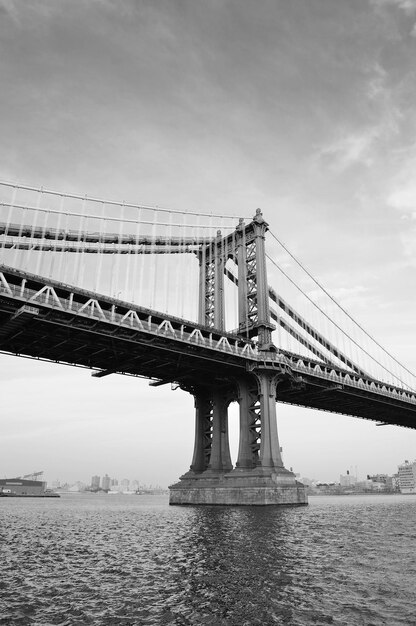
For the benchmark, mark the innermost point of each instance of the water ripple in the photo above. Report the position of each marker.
(134, 561)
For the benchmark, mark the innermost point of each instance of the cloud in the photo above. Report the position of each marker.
(26, 14)
(351, 149)
(360, 145)
(408, 240)
(402, 195)
(408, 6)
(376, 87)
(9, 9)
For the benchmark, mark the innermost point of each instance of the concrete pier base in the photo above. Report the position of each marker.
(239, 488)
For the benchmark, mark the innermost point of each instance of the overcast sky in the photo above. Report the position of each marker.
(305, 108)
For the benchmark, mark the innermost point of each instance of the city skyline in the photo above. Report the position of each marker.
(96, 480)
(218, 108)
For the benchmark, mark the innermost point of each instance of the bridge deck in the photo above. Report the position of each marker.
(47, 320)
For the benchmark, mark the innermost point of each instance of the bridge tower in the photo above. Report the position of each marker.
(259, 477)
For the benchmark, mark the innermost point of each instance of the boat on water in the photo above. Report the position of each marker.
(23, 488)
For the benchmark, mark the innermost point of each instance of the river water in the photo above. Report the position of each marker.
(133, 560)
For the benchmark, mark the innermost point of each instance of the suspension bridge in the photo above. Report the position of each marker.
(215, 305)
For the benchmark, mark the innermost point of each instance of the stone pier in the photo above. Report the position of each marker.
(259, 477)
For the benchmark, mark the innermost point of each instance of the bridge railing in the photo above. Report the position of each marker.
(344, 378)
(135, 318)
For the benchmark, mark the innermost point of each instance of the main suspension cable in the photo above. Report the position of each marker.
(342, 330)
(115, 202)
(292, 256)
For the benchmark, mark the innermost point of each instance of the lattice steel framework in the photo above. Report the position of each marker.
(254, 421)
(207, 426)
(246, 248)
(252, 315)
(212, 259)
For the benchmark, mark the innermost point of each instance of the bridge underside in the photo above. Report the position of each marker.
(90, 349)
(86, 343)
(62, 338)
(45, 332)
(348, 401)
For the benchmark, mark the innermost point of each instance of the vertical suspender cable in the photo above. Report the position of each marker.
(140, 298)
(54, 252)
(153, 272)
(77, 245)
(356, 356)
(128, 257)
(194, 264)
(42, 254)
(29, 267)
(181, 285)
(279, 317)
(82, 236)
(135, 256)
(181, 266)
(118, 260)
(228, 293)
(178, 238)
(113, 253)
(38, 247)
(62, 272)
(9, 216)
(320, 324)
(100, 249)
(166, 262)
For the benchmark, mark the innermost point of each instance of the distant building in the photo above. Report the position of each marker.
(323, 488)
(307, 481)
(378, 478)
(95, 483)
(125, 484)
(22, 487)
(348, 480)
(105, 483)
(407, 477)
(78, 486)
(374, 485)
(395, 482)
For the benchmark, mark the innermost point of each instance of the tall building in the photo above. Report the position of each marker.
(95, 483)
(347, 481)
(125, 484)
(105, 483)
(407, 477)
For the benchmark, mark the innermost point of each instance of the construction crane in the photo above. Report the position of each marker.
(32, 476)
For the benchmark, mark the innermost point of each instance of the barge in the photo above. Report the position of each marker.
(22, 488)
